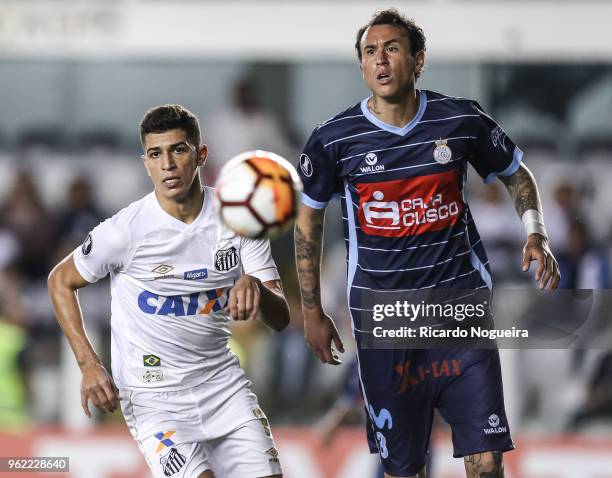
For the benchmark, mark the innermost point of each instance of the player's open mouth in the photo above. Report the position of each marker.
(172, 182)
(383, 78)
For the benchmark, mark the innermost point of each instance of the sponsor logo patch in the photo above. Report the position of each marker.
(306, 165)
(197, 274)
(273, 452)
(371, 159)
(164, 440)
(87, 245)
(261, 416)
(172, 462)
(151, 361)
(152, 376)
(226, 259)
(162, 269)
(413, 376)
(495, 426)
(411, 206)
(196, 303)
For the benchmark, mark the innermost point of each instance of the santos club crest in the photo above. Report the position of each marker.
(226, 259)
(442, 153)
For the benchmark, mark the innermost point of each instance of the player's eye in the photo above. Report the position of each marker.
(369, 51)
(392, 49)
(154, 155)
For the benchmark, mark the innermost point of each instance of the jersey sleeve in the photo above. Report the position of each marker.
(106, 248)
(257, 261)
(495, 154)
(318, 174)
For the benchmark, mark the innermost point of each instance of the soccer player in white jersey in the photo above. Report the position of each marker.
(178, 277)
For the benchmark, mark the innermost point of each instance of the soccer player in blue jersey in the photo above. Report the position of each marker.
(398, 161)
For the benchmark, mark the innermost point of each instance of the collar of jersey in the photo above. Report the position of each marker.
(178, 222)
(396, 129)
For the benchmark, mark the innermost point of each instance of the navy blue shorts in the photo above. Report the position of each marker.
(403, 387)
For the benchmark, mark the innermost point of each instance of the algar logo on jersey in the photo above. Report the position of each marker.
(411, 206)
(197, 303)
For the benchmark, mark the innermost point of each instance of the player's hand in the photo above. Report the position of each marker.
(547, 271)
(243, 302)
(98, 386)
(319, 332)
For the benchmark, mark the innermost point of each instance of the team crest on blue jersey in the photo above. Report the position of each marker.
(306, 165)
(442, 153)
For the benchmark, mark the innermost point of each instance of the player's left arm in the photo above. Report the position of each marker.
(524, 193)
(250, 296)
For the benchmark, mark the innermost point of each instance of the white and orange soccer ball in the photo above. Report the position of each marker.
(258, 194)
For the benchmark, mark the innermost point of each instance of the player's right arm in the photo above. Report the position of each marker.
(319, 328)
(318, 173)
(96, 385)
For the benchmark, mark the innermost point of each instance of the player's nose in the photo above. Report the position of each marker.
(167, 161)
(381, 57)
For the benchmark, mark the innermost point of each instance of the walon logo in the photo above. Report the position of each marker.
(494, 422)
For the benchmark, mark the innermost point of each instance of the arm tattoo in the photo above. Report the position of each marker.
(477, 467)
(523, 190)
(307, 259)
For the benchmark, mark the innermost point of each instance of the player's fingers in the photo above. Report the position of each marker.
(111, 396)
(526, 259)
(85, 403)
(103, 403)
(249, 297)
(556, 276)
(541, 265)
(548, 272)
(231, 303)
(256, 300)
(337, 341)
(241, 304)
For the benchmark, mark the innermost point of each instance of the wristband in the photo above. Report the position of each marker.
(534, 222)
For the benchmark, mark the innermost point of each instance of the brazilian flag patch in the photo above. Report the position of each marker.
(151, 360)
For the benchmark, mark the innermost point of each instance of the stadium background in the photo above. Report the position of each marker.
(75, 79)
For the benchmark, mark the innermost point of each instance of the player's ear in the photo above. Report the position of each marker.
(202, 155)
(419, 62)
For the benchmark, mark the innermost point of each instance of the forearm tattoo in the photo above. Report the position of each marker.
(307, 260)
(476, 466)
(523, 190)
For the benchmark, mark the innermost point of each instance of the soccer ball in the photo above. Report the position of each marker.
(258, 194)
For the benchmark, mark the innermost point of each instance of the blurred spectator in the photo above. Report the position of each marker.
(24, 214)
(12, 387)
(242, 126)
(563, 211)
(583, 264)
(500, 230)
(80, 214)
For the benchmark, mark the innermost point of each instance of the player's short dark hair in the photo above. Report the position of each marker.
(391, 16)
(165, 117)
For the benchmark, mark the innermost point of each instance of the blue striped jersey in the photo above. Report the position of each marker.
(406, 221)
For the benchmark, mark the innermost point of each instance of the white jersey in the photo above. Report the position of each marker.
(169, 286)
